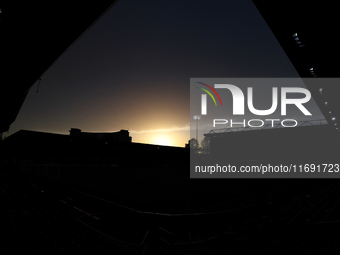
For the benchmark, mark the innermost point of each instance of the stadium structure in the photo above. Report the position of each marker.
(65, 194)
(306, 33)
(309, 141)
(34, 36)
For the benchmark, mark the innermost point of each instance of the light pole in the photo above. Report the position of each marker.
(197, 117)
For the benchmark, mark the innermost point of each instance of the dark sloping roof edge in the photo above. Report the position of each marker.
(35, 35)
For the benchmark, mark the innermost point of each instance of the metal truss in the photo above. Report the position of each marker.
(269, 126)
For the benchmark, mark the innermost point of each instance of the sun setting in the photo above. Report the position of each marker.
(162, 139)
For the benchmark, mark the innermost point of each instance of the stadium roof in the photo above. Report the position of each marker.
(308, 33)
(34, 34)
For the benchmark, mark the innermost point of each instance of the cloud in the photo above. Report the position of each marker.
(173, 129)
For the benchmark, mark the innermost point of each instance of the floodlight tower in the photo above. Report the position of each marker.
(197, 117)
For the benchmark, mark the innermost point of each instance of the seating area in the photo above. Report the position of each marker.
(55, 216)
(41, 224)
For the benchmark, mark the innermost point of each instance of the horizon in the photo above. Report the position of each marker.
(92, 132)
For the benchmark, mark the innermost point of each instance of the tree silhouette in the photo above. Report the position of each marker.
(193, 144)
(205, 145)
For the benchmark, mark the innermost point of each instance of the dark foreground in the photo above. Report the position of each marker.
(122, 210)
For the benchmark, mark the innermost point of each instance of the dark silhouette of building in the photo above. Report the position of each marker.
(84, 148)
(122, 135)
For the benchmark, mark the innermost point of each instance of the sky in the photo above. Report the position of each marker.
(132, 69)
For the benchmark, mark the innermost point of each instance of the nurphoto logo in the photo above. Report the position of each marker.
(238, 103)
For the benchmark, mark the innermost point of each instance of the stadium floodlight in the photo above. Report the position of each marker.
(197, 117)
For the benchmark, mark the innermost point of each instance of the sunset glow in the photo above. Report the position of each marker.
(162, 140)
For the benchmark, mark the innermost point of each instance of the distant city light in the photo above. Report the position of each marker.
(333, 118)
(197, 117)
(295, 35)
(326, 103)
(329, 112)
(311, 69)
(320, 90)
(296, 38)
